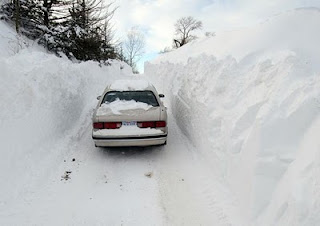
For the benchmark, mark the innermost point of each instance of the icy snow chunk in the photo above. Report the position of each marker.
(121, 105)
(123, 85)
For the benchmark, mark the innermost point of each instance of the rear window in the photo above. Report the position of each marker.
(138, 96)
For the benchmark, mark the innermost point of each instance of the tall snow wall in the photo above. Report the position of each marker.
(249, 100)
(44, 100)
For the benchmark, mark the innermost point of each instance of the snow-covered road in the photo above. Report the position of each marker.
(164, 185)
(51, 173)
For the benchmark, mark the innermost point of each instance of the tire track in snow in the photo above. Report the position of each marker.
(190, 193)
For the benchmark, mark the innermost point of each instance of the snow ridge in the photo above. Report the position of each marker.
(249, 101)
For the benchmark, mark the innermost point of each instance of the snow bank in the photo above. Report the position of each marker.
(43, 98)
(250, 101)
(10, 43)
(294, 30)
(117, 106)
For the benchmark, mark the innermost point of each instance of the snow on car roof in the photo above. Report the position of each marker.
(123, 85)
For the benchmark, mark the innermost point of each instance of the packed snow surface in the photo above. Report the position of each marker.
(243, 142)
(132, 84)
(118, 106)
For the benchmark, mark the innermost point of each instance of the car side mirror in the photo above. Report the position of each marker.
(161, 95)
(98, 97)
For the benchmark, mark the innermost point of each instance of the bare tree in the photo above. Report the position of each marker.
(183, 29)
(134, 47)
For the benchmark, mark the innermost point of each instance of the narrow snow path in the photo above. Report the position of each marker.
(167, 185)
(189, 193)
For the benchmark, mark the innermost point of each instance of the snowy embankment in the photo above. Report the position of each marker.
(249, 100)
(44, 101)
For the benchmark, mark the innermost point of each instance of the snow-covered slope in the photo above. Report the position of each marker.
(249, 100)
(44, 100)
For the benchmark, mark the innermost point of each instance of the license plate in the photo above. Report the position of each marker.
(129, 123)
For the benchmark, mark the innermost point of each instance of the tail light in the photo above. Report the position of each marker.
(107, 125)
(151, 124)
(161, 124)
(112, 125)
(146, 124)
(98, 125)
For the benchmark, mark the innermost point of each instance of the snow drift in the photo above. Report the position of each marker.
(43, 98)
(249, 100)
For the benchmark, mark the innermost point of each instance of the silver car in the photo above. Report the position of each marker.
(130, 113)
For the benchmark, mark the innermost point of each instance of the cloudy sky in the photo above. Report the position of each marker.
(156, 18)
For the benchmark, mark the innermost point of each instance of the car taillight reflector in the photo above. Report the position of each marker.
(98, 125)
(151, 124)
(146, 124)
(107, 125)
(161, 124)
(112, 125)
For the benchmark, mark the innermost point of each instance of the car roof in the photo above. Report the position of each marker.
(130, 85)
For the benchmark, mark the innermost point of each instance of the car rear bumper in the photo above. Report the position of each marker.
(129, 141)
